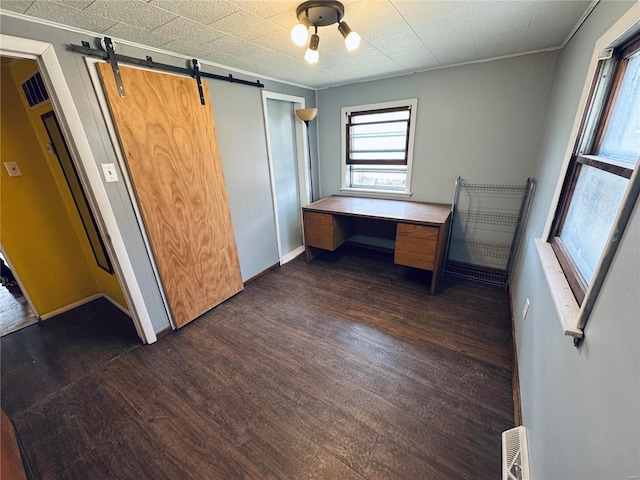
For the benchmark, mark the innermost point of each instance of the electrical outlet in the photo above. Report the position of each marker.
(109, 171)
(13, 169)
(525, 310)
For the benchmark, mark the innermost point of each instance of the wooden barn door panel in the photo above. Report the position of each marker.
(169, 143)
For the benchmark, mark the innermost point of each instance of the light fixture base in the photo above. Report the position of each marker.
(320, 13)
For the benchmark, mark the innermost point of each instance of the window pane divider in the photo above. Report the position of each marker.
(610, 165)
(388, 150)
(364, 161)
(380, 110)
(381, 122)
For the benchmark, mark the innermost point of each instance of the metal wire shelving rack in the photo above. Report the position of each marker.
(486, 230)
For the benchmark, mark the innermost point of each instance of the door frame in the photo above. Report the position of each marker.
(302, 155)
(91, 180)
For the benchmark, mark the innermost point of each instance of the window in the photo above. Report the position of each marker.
(604, 158)
(377, 147)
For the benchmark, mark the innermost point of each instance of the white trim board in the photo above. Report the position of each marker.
(117, 305)
(292, 255)
(304, 161)
(84, 301)
(71, 306)
(90, 177)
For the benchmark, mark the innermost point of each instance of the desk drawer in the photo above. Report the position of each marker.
(319, 218)
(416, 246)
(326, 231)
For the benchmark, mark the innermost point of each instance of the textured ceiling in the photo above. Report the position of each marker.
(398, 36)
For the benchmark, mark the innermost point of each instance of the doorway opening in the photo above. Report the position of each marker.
(83, 157)
(15, 311)
(54, 256)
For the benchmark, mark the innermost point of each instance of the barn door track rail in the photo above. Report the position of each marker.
(115, 58)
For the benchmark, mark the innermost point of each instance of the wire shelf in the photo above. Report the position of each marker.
(492, 276)
(495, 250)
(487, 226)
(488, 218)
(494, 188)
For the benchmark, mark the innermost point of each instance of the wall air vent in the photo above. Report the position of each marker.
(35, 90)
(515, 454)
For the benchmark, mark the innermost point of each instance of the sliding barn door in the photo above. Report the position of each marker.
(170, 147)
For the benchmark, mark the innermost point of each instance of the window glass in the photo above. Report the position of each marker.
(379, 177)
(379, 141)
(594, 206)
(622, 136)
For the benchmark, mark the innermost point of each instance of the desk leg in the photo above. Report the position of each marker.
(441, 252)
(311, 252)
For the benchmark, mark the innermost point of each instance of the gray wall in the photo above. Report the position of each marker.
(481, 121)
(580, 405)
(241, 134)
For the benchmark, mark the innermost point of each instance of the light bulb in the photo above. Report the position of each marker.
(352, 41)
(299, 34)
(311, 56)
(351, 38)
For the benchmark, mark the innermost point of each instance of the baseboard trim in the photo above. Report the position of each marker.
(164, 332)
(117, 305)
(515, 379)
(79, 303)
(71, 306)
(264, 272)
(293, 254)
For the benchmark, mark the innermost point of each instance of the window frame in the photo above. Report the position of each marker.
(346, 112)
(571, 316)
(602, 97)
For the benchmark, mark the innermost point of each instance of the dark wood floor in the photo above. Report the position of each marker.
(345, 368)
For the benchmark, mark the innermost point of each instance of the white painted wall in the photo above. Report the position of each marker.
(481, 121)
(580, 405)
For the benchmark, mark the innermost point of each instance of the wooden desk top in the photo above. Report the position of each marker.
(396, 210)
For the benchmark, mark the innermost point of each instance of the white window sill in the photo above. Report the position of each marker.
(566, 305)
(375, 193)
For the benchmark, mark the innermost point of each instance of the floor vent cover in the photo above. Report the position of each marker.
(515, 456)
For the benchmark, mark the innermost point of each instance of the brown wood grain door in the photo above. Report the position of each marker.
(170, 146)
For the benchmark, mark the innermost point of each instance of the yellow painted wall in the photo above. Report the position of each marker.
(35, 227)
(107, 283)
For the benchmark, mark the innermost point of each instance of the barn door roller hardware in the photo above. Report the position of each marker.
(85, 49)
(196, 71)
(109, 47)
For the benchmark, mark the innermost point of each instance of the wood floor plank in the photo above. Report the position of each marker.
(344, 368)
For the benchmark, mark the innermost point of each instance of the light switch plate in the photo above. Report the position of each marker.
(13, 169)
(109, 171)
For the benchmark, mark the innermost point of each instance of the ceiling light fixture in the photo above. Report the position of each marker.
(320, 14)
